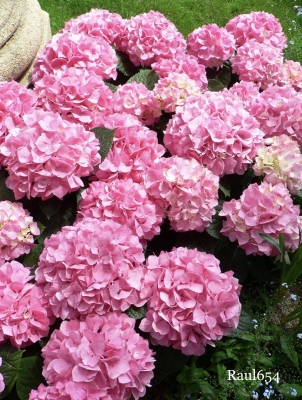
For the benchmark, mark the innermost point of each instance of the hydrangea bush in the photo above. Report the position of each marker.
(145, 178)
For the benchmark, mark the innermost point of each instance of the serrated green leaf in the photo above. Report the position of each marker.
(245, 325)
(265, 361)
(105, 137)
(289, 350)
(10, 367)
(112, 87)
(136, 312)
(221, 80)
(191, 375)
(146, 76)
(207, 390)
(32, 258)
(50, 207)
(5, 192)
(125, 65)
(215, 227)
(222, 375)
(30, 376)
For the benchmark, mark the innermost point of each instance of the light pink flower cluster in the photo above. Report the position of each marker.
(148, 37)
(93, 266)
(174, 90)
(23, 310)
(100, 357)
(186, 190)
(134, 149)
(216, 130)
(2, 384)
(259, 63)
(182, 63)
(291, 75)
(259, 26)
(211, 45)
(264, 208)
(243, 91)
(134, 98)
(191, 302)
(280, 161)
(278, 110)
(58, 391)
(124, 202)
(46, 156)
(16, 231)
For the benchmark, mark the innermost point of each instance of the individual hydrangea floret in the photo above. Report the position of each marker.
(2, 384)
(258, 26)
(259, 63)
(211, 45)
(134, 149)
(291, 75)
(216, 130)
(191, 303)
(148, 37)
(99, 357)
(135, 99)
(17, 230)
(186, 190)
(280, 160)
(24, 312)
(264, 208)
(93, 266)
(174, 90)
(182, 63)
(46, 156)
(124, 202)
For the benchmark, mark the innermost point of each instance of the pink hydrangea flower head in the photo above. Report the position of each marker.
(100, 356)
(258, 26)
(259, 63)
(125, 202)
(174, 90)
(291, 75)
(186, 190)
(211, 45)
(148, 37)
(264, 208)
(243, 91)
(182, 63)
(17, 230)
(53, 392)
(135, 99)
(93, 266)
(24, 315)
(134, 149)
(216, 130)
(278, 110)
(47, 156)
(2, 384)
(191, 302)
(280, 160)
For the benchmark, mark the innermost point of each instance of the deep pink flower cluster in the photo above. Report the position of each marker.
(291, 75)
(2, 384)
(258, 26)
(211, 45)
(99, 357)
(186, 190)
(280, 160)
(23, 309)
(264, 208)
(93, 266)
(17, 230)
(215, 129)
(134, 149)
(134, 98)
(124, 202)
(46, 156)
(191, 302)
(182, 63)
(148, 37)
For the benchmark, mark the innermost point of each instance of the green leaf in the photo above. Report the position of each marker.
(192, 374)
(112, 87)
(31, 259)
(294, 270)
(222, 375)
(246, 323)
(208, 391)
(11, 359)
(288, 388)
(221, 80)
(105, 137)
(215, 227)
(289, 350)
(265, 361)
(125, 65)
(136, 312)
(30, 376)
(146, 76)
(225, 191)
(5, 192)
(50, 207)
(271, 240)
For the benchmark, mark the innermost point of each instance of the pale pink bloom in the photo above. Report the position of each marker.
(280, 160)
(17, 230)
(258, 26)
(217, 131)
(190, 302)
(135, 99)
(148, 37)
(182, 63)
(134, 149)
(243, 91)
(2, 384)
(46, 156)
(98, 357)
(174, 90)
(93, 266)
(54, 392)
(186, 190)
(211, 45)
(291, 75)
(264, 208)
(258, 62)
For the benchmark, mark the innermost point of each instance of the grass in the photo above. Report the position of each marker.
(188, 14)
